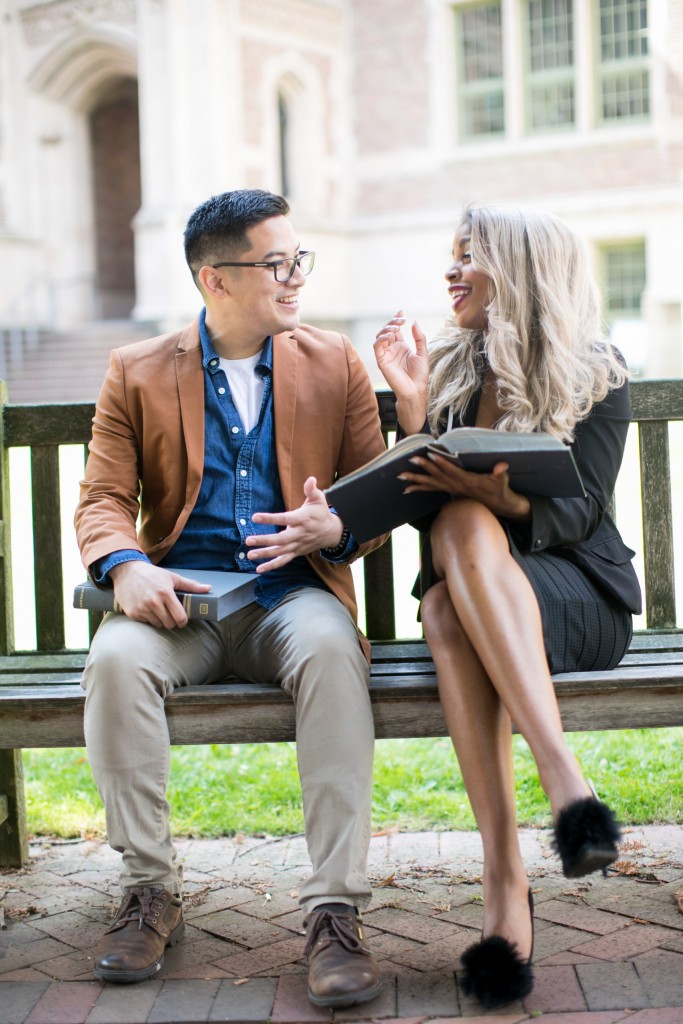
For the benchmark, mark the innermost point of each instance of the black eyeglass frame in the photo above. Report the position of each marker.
(294, 261)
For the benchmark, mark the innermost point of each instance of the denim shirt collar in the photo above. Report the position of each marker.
(211, 359)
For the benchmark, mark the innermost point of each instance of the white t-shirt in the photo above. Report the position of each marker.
(246, 388)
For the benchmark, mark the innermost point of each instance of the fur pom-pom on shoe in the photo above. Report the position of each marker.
(586, 837)
(495, 973)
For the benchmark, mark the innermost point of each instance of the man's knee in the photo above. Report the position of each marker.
(331, 666)
(119, 658)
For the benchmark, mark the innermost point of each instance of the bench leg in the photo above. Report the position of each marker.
(13, 837)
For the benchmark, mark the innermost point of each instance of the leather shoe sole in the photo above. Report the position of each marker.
(348, 998)
(130, 977)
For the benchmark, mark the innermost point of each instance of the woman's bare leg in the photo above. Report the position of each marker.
(498, 612)
(481, 732)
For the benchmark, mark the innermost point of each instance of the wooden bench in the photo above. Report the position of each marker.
(41, 703)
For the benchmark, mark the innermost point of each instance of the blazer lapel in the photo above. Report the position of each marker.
(191, 399)
(285, 371)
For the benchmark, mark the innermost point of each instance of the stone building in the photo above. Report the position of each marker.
(379, 119)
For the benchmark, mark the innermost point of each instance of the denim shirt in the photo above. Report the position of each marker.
(240, 477)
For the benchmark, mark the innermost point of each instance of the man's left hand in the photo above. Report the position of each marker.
(305, 529)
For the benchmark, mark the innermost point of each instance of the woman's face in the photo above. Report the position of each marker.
(470, 290)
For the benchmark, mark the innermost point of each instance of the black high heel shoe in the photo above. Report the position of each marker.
(586, 837)
(494, 972)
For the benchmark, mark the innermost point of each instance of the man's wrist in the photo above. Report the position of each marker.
(99, 570)
(339, 548)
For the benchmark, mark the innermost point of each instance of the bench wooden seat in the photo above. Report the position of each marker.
(646, 690)
(41, 702)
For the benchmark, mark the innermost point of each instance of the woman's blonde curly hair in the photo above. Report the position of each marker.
(544, 341)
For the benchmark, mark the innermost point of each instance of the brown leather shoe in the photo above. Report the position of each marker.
(132, 948)
(341, 969)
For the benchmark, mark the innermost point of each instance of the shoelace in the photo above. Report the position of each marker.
(141, 903)
(339, 927)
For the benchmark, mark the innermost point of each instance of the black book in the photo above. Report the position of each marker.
(229, 592)
(370, 501)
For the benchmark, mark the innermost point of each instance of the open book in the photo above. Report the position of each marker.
(229, 592)
(370, 501)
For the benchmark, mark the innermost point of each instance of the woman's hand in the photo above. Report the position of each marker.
(406, 371)
(437, 473)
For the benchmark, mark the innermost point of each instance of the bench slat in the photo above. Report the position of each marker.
(631, 696)
(378, 574)
(660, 399)
(47, 547)
(655, 483)
(56, 423)
(387, 671)
(71, 423)
(29, 661)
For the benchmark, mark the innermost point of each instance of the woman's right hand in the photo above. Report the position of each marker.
(405, 370)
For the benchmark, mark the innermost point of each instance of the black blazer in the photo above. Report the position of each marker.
(581, 529)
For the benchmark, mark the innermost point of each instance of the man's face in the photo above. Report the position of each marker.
(268, 306)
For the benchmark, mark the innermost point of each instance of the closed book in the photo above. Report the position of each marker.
(370, 501)
(229, 592)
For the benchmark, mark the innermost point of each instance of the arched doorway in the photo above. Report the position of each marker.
(115, 154)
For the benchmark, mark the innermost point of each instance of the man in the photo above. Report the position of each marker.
(222, 436)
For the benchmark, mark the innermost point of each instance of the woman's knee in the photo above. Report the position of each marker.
(463, 520)
(439, 617)
(466, 532)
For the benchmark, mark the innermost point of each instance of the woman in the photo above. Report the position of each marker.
(514, 587)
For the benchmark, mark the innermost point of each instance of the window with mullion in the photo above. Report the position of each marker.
(624, 270)
(623, 60)
(480, 49)
(550, 74)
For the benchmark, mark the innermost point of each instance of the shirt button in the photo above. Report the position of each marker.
(539, 542)
(221, 391)
(235, 430)
(243, 472)
(242, 555)
(243, 522)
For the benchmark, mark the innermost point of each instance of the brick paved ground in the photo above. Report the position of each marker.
(607, 951)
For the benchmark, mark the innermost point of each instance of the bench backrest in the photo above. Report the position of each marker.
(43, 428)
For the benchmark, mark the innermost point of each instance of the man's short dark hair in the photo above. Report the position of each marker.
(217, 230)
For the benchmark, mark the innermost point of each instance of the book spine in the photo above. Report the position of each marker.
(198, 606)
(95, 599)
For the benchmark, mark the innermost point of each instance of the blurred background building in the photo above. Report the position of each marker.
(378, 119)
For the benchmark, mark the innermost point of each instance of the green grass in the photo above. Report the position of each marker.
(223, 790)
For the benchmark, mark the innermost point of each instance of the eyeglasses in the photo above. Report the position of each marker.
(283, 270)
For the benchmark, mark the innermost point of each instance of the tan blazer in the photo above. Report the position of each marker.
(147, 448)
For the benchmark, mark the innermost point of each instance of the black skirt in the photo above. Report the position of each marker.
(584, 628)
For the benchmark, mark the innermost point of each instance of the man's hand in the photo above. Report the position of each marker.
(308, 528)
(147, 593)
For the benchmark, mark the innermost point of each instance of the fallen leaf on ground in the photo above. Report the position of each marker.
(632, 844)
(630, 869)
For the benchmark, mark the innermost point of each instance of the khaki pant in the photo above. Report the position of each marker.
(308, 644)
